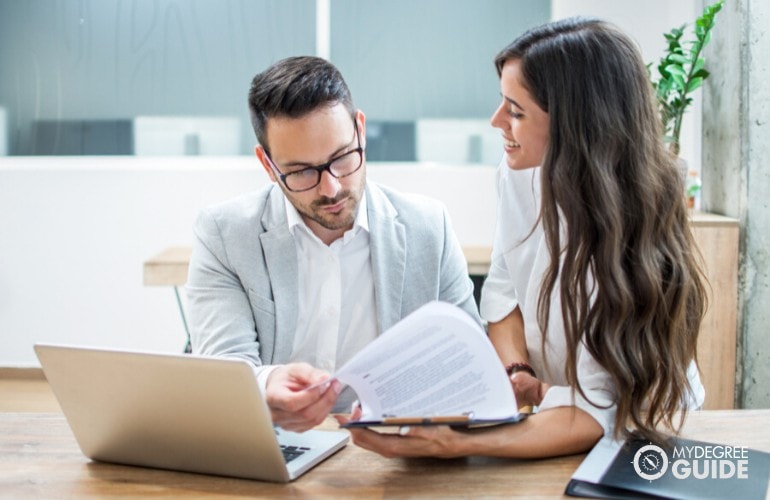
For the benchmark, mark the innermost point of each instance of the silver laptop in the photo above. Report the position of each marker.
(179, 412)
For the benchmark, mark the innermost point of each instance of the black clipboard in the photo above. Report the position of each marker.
(454, 421)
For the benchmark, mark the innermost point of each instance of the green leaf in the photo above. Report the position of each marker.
(681, 69)
(678, 81)
(678, 58)
(701, 73)
(676, 70)
(698, 65)
(694, 84)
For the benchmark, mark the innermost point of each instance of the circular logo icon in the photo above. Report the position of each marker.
(650, 462)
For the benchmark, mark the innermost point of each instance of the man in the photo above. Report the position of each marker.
(298, 277)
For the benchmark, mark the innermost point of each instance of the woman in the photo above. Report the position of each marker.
(602, 332)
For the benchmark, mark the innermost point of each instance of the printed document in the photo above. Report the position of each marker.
(437, 365)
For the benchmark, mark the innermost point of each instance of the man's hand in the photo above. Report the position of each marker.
(296, 400)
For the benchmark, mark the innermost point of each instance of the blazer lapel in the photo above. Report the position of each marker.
(388, 252)
(281, 261)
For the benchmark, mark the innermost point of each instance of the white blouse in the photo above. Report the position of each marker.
(515, 275)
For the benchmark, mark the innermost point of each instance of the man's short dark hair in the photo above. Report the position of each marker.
(294, 87)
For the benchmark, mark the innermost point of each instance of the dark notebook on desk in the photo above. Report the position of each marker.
(683, 469)
(178, 412)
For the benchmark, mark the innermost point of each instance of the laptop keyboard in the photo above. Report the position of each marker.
(292, 452)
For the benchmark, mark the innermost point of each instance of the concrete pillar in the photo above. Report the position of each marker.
(736, 174)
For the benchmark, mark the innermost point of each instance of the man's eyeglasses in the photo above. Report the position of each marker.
(307, 178)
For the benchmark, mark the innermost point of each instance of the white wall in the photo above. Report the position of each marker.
(646, 22)
(75, 231)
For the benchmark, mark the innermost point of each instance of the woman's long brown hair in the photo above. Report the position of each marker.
(614, 218)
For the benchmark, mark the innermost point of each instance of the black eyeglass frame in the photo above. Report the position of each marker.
(319, 169)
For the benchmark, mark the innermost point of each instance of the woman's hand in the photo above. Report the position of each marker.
(529, 391)
(553, 432)
(416, 441)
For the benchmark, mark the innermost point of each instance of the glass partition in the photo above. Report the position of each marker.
(157, 77)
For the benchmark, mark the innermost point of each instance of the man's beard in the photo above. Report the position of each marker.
(333, 221)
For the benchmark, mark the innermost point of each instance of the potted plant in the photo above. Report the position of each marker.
(681, 72)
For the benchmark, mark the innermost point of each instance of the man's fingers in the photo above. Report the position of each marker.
(297, 376)
(283, 397)
(307, 409)
(300, 396)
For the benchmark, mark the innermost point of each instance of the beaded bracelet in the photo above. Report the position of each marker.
(520, 367)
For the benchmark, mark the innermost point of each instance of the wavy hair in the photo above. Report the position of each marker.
(614, 218)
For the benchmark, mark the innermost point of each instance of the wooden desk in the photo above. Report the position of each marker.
(169, 267)
(39, 458)
(717, 238)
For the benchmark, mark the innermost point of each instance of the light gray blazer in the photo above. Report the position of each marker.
(242, 284)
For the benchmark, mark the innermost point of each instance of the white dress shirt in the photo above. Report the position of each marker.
(518, 266)
(516, 242)
(337, 316)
